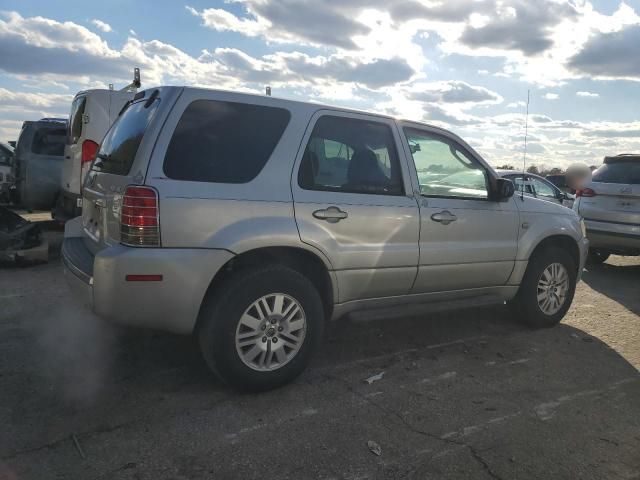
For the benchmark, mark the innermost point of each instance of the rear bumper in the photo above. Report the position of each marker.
(171, 304)
(613, 236)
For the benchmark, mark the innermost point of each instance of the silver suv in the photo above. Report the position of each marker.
(250, 221)
(610, 205)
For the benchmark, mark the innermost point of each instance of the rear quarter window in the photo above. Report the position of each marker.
(618, 172)
(223, 142)
(49, 141)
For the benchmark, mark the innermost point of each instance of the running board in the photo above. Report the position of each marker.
(418, 304)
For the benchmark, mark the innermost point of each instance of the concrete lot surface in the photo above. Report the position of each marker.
(463, 395)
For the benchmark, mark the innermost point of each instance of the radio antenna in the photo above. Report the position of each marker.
(524, 153)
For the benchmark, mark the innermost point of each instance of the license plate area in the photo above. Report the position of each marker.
(92, 218)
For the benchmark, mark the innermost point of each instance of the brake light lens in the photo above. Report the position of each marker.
(140, 217)
(586, 192)
(89, 151)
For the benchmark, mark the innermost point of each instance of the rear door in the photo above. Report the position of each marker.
(122, 160)
(353, 202)
(616, 193)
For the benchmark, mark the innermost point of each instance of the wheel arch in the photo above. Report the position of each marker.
(565, 242)
(300, 259)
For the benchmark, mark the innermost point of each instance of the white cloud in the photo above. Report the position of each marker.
(367, 55)
(100, 25)
(587, 94)
(455, 92)
(223, 21)
(11, 98)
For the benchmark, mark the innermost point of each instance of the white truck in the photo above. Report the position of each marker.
(92, 114)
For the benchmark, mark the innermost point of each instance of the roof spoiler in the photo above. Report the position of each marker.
(623, 157)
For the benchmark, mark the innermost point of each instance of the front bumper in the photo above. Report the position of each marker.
(583, 246)
(171, 304)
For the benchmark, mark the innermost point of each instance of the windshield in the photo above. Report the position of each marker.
(121, 143)
(49, 141)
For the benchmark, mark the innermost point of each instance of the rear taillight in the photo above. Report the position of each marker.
(89, 151)
(586, 192)
(139, 217)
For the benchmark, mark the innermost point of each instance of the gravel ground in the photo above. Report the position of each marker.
(466, 394)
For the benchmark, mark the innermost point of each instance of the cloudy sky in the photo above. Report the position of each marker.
(464, 64)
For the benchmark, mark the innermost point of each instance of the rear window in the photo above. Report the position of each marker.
(121, 143)
(223, 142)
(49, 141)
(618, 172)
(75, 119)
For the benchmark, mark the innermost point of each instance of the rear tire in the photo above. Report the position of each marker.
(547, 289)
(258, 330)
(597, 256)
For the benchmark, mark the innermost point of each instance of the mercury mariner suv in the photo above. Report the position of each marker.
(251, 221)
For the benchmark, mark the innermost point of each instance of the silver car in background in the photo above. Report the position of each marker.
(539, 187)
(250, 221)
(610, 206)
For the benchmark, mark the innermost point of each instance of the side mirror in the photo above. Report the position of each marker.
(504, 189)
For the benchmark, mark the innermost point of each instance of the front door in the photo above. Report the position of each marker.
(467, 240)
(351, 202)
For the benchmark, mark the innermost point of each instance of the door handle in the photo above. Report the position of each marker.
(330, 214)
(445, 217)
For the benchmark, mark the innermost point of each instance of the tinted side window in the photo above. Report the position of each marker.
(350, 155)
(120, 145)
(75, 119)
(444, 169)
(619, 172)
(223, 142)
(49, 141)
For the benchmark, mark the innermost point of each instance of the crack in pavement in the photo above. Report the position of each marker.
(474, 452)
(56, 443)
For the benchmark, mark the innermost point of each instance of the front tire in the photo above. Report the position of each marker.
(547, 289)
(258, 331)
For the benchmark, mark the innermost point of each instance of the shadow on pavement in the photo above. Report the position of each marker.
(467, 394)
(618, 282)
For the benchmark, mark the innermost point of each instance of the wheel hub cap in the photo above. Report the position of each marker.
(270, 332)
(553, 286)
